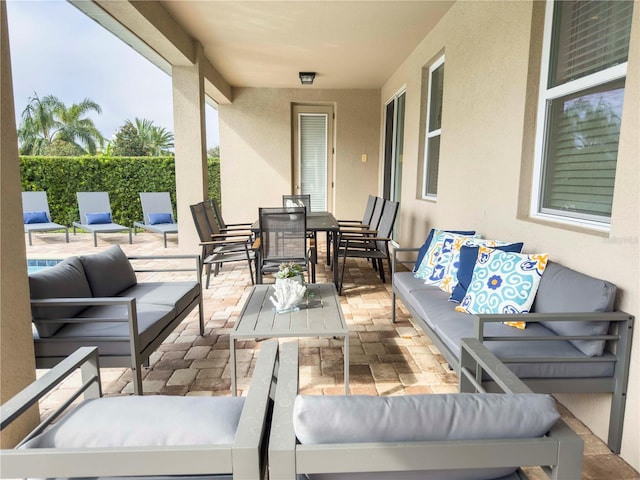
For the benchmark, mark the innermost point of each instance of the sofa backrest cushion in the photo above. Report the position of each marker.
(150, 420)
(64, 280)
(563, 290)
(324, 419)
(108, 272)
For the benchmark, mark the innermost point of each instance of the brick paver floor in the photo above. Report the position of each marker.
(385, 358)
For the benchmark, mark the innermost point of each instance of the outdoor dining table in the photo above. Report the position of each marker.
(321, 222)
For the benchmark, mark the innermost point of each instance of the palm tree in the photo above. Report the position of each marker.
(39, 124)
(48, 119)
(78, 130)
(157, 140)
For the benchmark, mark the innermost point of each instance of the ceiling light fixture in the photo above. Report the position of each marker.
(306, 78)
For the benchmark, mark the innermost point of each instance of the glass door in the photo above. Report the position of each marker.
(313, 155)
(393, 150)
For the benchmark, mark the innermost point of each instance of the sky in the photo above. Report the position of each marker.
(58, 50)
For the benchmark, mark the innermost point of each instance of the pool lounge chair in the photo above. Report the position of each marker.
(36, 214)
(95, 215)
(157, 214)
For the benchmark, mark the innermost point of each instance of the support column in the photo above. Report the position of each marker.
(190, 146)
(17, 364)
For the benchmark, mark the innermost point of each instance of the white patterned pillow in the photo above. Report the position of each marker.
(503, 282)
(438, 256)
(450, 275)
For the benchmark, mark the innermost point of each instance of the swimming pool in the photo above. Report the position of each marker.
(35, 264)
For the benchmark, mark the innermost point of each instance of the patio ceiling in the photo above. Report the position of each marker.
(350, 44)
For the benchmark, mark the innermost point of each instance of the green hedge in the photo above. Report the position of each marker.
(122, 177)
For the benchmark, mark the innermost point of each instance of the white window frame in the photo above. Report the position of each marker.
(429, 135)
(546, 95)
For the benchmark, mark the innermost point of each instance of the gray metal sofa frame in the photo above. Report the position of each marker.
(618, 345)
(138, 356)
(560, 452)
(243, 458)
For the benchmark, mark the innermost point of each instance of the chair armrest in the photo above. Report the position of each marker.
(252, 427)
(282, 438)
(85, 358)
(164, 258)
(481, 319)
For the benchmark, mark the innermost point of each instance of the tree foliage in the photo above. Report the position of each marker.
(47, 120)
(142, 138)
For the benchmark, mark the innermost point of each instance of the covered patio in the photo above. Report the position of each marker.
(245, 56)
(385, 358)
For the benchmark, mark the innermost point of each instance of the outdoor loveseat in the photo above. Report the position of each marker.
(153, 436)
(463, 436)
(574, 341)
(97, 300)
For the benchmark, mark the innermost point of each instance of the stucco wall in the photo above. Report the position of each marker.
(17, 364)
(492, 54)
(256, 148)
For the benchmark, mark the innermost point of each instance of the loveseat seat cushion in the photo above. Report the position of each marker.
(152, 319)
(171, 294)
(565, 290)
(324, 419)
(150, 420)
(108, 272)
(64, 280)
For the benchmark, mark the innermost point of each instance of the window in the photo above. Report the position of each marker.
(585, 54)
(434, 129)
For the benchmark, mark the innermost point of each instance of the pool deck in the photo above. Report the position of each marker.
(385, 358)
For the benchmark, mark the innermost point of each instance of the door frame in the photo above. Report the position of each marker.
(311, 109)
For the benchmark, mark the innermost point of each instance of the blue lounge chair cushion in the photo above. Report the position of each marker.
(150, 420)
(64, 280)
(157, 218)
(98, 218)
(35, 217)
(108, 272)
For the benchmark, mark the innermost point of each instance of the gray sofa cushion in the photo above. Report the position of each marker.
(138, 421)
(152, 319)
(361, 419)
(452, 331)
(65, 280)
(565, 290)
(108, 272)
(172, 294)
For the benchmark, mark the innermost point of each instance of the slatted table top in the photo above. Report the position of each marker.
(320, 315)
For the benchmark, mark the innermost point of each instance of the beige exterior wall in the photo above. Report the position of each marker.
(17, 364)
(256, 148)
(491, 79)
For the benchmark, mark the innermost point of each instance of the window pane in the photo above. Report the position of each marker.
(435, 102)
(582, 150)
(431, 187)
(589, 36)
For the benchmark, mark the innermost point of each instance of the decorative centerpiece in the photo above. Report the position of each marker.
(289, 288)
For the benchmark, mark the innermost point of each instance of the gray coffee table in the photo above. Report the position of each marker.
(319, 316)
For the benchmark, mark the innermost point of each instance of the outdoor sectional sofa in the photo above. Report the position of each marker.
(573, 341)
(463, 436)
(153, 436)
(96, 300)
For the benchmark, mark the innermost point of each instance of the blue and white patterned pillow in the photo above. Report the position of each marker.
(450, 276)
(503, 282)
(435, 261)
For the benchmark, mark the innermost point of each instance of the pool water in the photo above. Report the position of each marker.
(33, 265)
